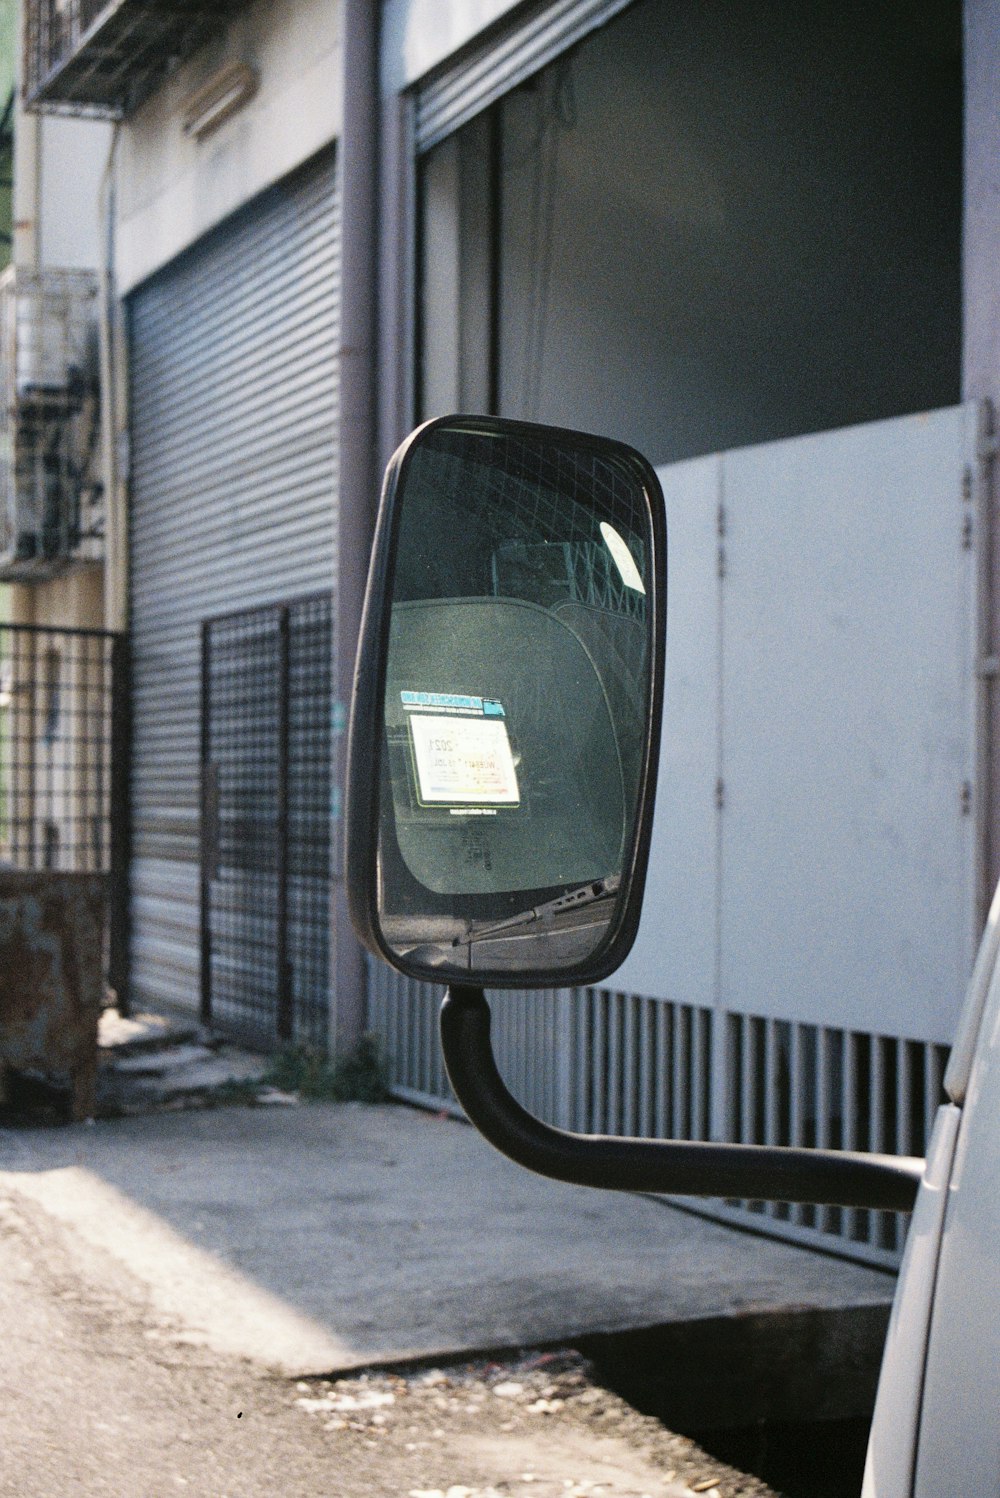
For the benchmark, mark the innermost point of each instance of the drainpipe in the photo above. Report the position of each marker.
(114, 415)
(358, 487)
(114, 432)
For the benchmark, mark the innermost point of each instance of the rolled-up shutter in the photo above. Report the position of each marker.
(234, 419)
(481, 75)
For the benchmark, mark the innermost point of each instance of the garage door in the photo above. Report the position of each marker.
(234, 464)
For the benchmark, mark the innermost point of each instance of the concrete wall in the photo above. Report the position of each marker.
(75, 598)
(172, 188)
(419, 34)
(73, 159)
(58, 167)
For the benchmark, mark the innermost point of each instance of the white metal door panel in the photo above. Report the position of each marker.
(847, 890)
(674, 954)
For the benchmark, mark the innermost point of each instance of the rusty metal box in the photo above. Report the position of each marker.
(52, 976)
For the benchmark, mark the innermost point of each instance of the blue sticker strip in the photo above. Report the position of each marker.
(442, 699)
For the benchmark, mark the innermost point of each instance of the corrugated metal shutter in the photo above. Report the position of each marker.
(483, 75)
(234, 412)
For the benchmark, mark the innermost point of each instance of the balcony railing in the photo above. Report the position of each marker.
(104, 57)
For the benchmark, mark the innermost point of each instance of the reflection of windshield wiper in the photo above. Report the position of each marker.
(597, 889)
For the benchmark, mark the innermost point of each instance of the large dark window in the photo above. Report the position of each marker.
(706, 226)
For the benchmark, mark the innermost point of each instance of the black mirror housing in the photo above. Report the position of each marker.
(505, 724)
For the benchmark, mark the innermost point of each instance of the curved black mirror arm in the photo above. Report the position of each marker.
(679, 1167)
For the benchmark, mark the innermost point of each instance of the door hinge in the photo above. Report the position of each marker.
(967, 533)
(720, 793)
(966, 798)
(968, 489)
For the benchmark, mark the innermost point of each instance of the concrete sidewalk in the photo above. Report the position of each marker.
(322, 1237)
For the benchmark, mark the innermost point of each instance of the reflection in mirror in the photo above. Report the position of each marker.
(516, 698)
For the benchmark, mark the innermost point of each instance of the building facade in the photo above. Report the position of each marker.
(762, 249)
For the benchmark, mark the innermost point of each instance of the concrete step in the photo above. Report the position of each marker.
(159, 1062)
(129, 1036)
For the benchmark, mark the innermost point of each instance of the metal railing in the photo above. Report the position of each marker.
(103, 57)
(64, 762)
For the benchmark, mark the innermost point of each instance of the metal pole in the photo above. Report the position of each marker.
(209, 826)
(119, 918)
(284, 975)
(678, 1167)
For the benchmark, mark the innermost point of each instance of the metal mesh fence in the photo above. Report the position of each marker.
(56, 740)
(64, 765)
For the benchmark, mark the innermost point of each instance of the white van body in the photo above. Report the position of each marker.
(936, 1430)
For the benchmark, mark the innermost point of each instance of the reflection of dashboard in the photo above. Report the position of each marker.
(504, 762)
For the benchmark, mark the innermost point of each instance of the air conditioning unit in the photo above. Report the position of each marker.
(51, 510)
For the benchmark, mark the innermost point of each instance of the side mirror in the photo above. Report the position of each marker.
(501, 767)
(505, 729)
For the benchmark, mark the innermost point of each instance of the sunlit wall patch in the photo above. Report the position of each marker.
(622, 558)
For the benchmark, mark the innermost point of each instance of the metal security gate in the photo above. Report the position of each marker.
(265, 848)
(234, 376)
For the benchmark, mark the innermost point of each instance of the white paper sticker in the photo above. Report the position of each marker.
(463, 760)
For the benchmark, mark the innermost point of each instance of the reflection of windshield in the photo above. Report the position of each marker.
(518, 784)
(508, 525)
(515, 694)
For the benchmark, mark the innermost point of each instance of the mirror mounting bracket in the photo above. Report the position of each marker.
(676, 1167)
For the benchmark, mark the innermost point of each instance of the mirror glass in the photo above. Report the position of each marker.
(517, 692)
